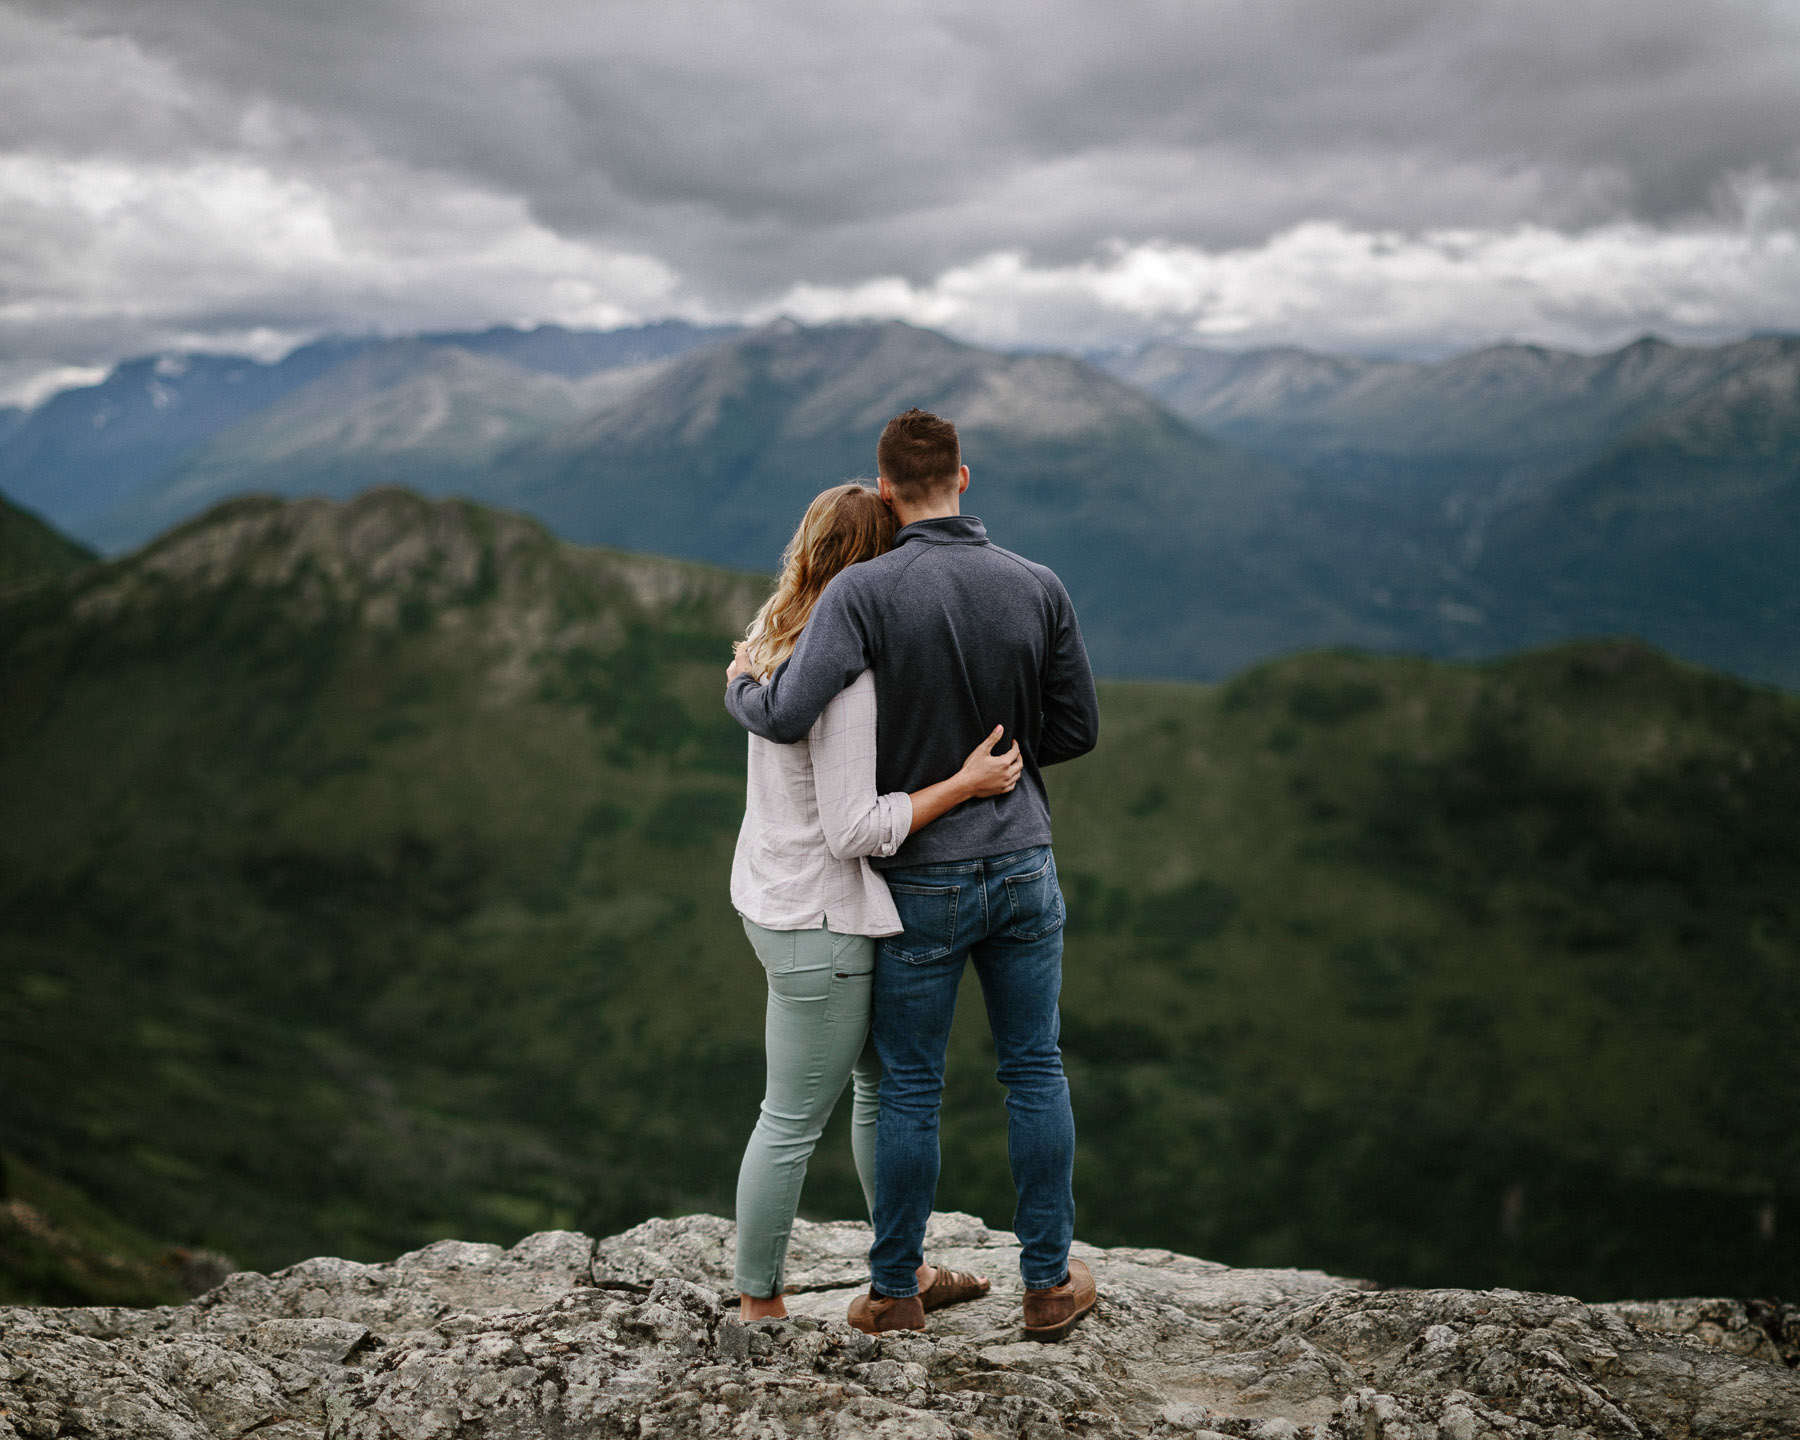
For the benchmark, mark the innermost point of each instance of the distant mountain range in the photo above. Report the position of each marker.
(85, 452)
(1207, 509)
(1686, 528)
(1519, 495)
(1168, 539)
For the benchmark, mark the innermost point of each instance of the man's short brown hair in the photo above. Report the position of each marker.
(919, 455)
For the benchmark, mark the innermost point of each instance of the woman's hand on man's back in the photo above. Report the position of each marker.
(985, 773)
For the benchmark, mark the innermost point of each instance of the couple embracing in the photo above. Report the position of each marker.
(879, 853)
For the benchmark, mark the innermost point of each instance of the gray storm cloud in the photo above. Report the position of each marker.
(179, 170)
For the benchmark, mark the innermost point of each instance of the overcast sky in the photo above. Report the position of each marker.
(1387, 176)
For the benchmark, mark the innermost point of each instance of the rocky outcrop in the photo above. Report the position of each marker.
(634, 1336)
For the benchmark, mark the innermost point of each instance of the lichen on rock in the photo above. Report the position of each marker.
(561, 1336)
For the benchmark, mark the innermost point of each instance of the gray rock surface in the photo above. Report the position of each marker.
(637, 1336)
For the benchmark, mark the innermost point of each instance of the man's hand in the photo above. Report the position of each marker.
(738, 666)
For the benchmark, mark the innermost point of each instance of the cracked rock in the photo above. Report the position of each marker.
(637, 1336)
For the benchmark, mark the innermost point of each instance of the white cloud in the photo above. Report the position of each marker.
(24, 385)
(111, 256)
(1324, 284)
(1390, 174)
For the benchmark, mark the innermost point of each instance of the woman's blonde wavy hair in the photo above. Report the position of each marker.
(846, 524)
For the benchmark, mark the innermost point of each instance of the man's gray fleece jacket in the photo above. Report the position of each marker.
(962, 636)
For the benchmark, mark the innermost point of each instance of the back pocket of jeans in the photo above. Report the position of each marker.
(1036, 903)
(929, 914)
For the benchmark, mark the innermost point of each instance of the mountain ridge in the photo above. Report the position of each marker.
(84, 450)
(31, 550)
(1158, 531)
(1342, 501)
(715, 453)
(1692, 516)
(432, 416)
(1397, 407)
(1414, 470)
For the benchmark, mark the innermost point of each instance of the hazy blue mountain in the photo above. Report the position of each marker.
(29, 548)
(11, 418)
(424, 413)
(1411, 468)
(1417, 459)
(1322, 500)
(81, 457)
(1175, 546)
(1686, 531)
(576, 353)
(1502, 412)
(1250, 391)
(83, 450)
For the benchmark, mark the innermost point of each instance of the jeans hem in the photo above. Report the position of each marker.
(895, 1294)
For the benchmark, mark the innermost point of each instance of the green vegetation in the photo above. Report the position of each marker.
(58, 1248)
(30, 549)
(364, 882)
(1506, 977)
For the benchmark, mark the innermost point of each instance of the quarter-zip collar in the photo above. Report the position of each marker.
(944, 530)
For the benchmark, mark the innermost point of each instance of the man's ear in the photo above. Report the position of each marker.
(884, 490)
(962, 483)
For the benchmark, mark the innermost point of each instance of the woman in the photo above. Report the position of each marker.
(813, 907)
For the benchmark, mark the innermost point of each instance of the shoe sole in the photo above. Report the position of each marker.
(1050, 1334)
(891, 1329)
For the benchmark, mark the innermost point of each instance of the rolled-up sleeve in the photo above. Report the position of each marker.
(856, 820)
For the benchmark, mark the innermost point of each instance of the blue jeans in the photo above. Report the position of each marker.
(1005, 913)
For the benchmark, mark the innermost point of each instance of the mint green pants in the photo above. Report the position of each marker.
(816, 1037)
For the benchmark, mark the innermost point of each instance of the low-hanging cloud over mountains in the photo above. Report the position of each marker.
(1393, 175)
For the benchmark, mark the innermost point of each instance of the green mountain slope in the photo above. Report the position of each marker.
(58, 1248)
(30, 549)
(333, 835)
(365, 882)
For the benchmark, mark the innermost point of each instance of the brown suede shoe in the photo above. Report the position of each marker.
(874, 1314)
(1051, 1314)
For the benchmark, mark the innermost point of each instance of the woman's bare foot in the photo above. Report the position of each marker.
(753, 1307)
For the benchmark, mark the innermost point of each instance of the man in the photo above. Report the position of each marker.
(961, 636)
